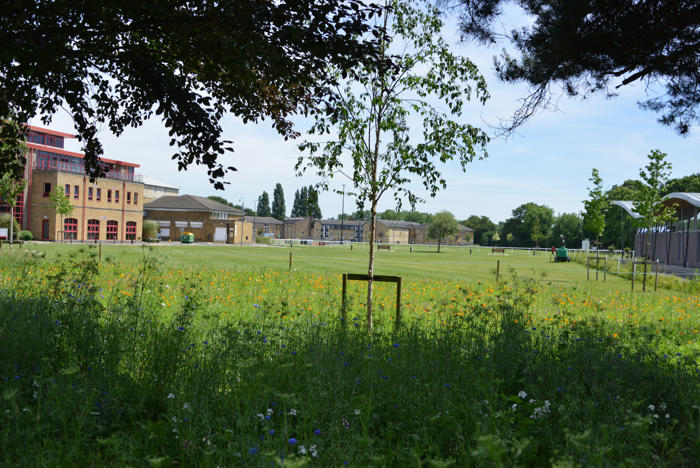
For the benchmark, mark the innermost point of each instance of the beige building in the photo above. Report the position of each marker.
(465, 236)
(393, 232)
(208, 220)
(299, 228)
(153, 188)
(336, 230)
(108, 209)
(266, 226)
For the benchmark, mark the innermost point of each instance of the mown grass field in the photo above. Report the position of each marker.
(219, 356)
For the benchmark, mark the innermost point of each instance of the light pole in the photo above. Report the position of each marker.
(242, 218)
(342, 217)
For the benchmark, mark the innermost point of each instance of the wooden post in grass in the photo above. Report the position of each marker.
(588, 268)
(498, 269)
(634, 273)
(100, 255)
(605, 268)
(644, 278)
(597, 263)
(656, 279)
(381, 278)
(290, 260)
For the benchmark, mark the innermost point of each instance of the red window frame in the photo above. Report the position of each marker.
(47, 189)
(98, 194)
(93, 229)
(116, 196)
(128, 197)
(136, 198)
(70, 229)
(112, 229)
(76, 191)
(109, 195)
(89, 193)
(131, 230)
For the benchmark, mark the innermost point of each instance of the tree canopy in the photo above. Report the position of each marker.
(444, 224)
(116, 64)
(529, 224)
(484, 228)
(279, 209)
(263, 208)
(598, 46)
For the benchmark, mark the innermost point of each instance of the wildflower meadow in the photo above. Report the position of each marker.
(149, 363)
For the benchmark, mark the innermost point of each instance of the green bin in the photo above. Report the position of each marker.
(187, 238)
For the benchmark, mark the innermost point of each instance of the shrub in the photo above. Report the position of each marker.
(262, 240)
(26, 235)
(150, 230)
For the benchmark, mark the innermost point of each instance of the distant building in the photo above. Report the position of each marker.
(108, 209)
(266, 226)
(208, 220)
(394, 232)
(153, 189)
(336, 229)
(299, 228)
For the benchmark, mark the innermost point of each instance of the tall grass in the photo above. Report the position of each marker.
(97, 369)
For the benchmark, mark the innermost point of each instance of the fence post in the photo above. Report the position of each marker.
(498, 269)
(597, 263)
(588, 268)
(398, 303)
(618, 266)
(290, 260)
(342, 310)
(605, 268)
(634, 273)
(644, 279)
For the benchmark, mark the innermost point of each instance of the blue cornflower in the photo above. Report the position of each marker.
(271, 432)
(396, 345)
(256, 305)
(317, 432)
(253, 450)
(292, 441)
(181, 328)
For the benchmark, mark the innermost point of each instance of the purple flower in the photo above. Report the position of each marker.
(317, 432)
(292, 441)
(256, 305)
(271, 432)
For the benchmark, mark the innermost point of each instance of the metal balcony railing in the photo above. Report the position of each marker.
(80, 169)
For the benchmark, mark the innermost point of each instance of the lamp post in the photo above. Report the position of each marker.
(342, 217)
(242, 218)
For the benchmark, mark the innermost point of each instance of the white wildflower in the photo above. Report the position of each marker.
(186, 405)
(260, 416)
(171, 396)
(651, 407)
(668, 416)
(269, 411)
(162, 304)
(302, 450)
(314, 451)
(532, 400)
(357, 412)
(514, 407)
(292, 412)
(522, 394)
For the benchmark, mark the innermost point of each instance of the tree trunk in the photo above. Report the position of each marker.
(12, 223)
(370, 270)
(439, 242)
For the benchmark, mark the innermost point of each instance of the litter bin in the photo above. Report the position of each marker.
(187, 238)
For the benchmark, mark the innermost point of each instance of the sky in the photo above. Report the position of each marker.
(548, 161)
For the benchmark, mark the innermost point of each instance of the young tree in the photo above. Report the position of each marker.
(414, 71)
(649, 200)
(61, 204)
(279, 210)
(444, 224)
(598, 46)
(189, 62)
(595, 207)
(263, 208)
(312, 208)
(10, 188)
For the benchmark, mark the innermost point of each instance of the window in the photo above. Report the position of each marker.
(98, 195)
(68, 190)
(136, 198)
(219, 215)
(131, 230)
(109, 195)
(128, 197)
(89, 193)
(93, 229)
(112, 230)
(116, 196)
(70, 229)
(76, 191)
(47, 189)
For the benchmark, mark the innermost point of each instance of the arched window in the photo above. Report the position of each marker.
(70, 229)
(131, 230)
(93, 229)
(112, 230)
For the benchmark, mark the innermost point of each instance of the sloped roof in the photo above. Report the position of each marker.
(347, 222)
(464, 228)
(398, 223)
(263, 220)
(626, 205)
(188, 202)
(690, 197)
(151, 181)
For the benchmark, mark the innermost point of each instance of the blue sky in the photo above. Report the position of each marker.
(548, 161)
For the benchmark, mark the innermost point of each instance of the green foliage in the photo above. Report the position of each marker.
(149, 230)
(26, 235)
(588, 47)
(263, 208)
(648, 202)
(279, 209)
(569, 225)
(690, 183)
(5, 223)
(312, 208)
(61, 202)
(619, 226)
(444, 224)
(122, 63)
(596, 206)
(484, 228)
(529, 224)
